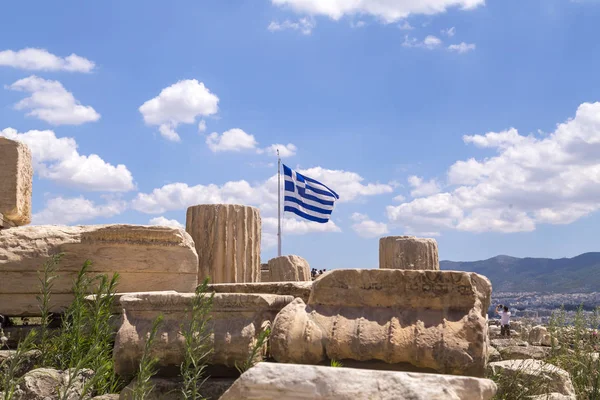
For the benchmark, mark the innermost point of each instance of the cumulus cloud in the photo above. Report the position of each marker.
(387, 11)
(177, 104)
(368, 228)
(41, 60)
(303, 25)
(231, 140)
(553, 179)
(58, 159)
(430, 42)
(462, 47)
(51, 102)
(68, 211)
(285, 150)
(422, 188)
(236, 140)
(162, 221)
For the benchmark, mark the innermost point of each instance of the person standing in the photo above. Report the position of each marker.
(504, 319)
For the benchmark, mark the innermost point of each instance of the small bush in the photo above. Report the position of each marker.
(197, 345)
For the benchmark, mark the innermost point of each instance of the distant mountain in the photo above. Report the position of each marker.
(510, 274)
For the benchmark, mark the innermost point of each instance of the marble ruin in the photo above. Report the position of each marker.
(405, 316)
(408, 252)
(430, 320)
(227, 239)
(236, 321)
(16, 178)
(146, 258)
(286, 269)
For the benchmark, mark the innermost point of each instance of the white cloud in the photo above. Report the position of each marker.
(386, 10)
(358, 24)
(462, 47)
(41, 60)
(303, 25)
(285, 150)
(399, 198)
(51, 102)
(177, 104)
(422, 188)
(202, 126)
(57, 159)
(367, 228)
(449, 32)
(68, 211)
(554, 179)
(231, 140)
(405, 26)
(162, 221)
(430, 42)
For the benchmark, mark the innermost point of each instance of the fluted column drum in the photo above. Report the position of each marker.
(408, 252)
(227, 239)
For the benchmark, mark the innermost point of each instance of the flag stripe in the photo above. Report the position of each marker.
(306, 206)
(306, 216)
(311, 180)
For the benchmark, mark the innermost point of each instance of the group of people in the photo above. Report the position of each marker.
(314, 272)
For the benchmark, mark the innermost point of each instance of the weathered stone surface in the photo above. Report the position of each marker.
(431, 320)
(288, 269)
(236, 321)
(5, 223)
(16, 179)
(170, 389)
(45, 383)
(493, 354)
(541, 376)
(539, 336)
(146, 258)
(227, 239)
(408, 252)
(503, 343)
(265, 273)
(524, 352)
(107, 397)
(30, 358)
(295, 289)
(269, 381)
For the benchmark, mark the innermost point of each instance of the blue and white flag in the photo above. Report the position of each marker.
(306, 197)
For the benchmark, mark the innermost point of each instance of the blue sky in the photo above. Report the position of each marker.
(472, 122)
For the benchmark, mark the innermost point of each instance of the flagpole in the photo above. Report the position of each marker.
(278, 205)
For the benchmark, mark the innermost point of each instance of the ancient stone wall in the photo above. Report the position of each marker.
(146, 258)
(16, 176)
(236, 321)
(227, 239)
(408, 252)
(432, 320)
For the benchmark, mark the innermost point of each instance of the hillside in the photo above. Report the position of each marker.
(511, 274)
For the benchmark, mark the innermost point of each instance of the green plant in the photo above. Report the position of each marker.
(46, 285)
(261, 341)
(197, 343)
(12, 366)
(574, 349)
(147, 368)
(86, 337)
(336, 364)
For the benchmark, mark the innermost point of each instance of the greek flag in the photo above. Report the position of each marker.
(307, 197)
